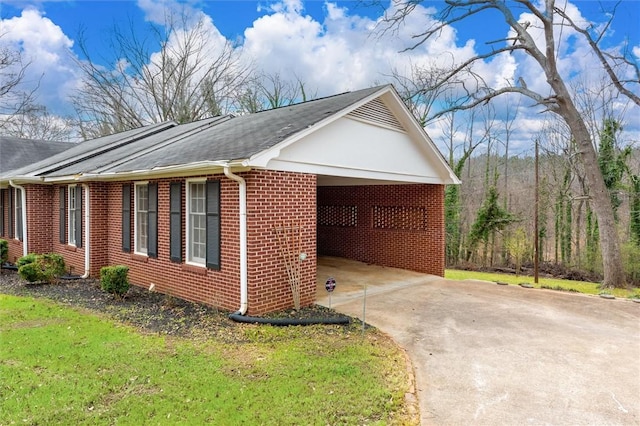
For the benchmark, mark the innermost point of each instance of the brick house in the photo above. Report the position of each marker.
(196, 209)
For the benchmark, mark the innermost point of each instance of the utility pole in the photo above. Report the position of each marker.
(535, 225)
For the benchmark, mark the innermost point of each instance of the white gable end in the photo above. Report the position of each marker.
(367, 145)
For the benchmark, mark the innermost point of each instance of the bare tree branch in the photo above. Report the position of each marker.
(190, 77)
(602, 56)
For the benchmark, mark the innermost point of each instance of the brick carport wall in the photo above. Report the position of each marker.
(399, 226)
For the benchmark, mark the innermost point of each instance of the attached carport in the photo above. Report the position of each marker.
(380, 184)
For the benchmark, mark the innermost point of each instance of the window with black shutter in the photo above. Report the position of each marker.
(18, 202)
(10, 212)
(2, 203)
(213, 224)
(63, 215)
(175, 221)
(152, 220)
(77, 229)
(72, 206)
(126, 218)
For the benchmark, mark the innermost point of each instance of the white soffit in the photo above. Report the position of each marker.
(353, 147)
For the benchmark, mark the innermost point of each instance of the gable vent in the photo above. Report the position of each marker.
(376, 112)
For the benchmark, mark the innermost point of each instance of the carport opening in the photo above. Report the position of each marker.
(388, 224)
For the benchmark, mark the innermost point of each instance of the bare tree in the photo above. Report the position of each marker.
(548, 18)
(38, 123)
(269, 91)
(14, 100)
(195, 74)
(420, 89)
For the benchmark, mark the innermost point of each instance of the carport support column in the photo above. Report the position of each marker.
(242, 201)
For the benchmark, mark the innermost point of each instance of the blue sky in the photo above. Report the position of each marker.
(326, 44)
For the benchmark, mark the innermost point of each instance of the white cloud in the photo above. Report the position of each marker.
(47, 50)
(341, 51)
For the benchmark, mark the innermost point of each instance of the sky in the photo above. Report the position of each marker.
(332, 46)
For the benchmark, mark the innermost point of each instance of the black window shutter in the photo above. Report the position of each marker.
(152, 220)
(78, 231)
(213, 224)
(63, 215)
(19, 225)
(175, 221)
(126, 217)
(10, 211)
(1, 212)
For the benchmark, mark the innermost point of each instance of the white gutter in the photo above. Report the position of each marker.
(242, 200)
(87, 227)
(25, 248)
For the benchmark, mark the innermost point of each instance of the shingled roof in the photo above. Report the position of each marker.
(243, 141)
(17, 152)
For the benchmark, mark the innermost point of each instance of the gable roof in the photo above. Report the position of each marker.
(241, 137)
(18, 152)
(243, 142)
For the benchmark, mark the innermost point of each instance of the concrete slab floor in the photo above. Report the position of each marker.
(485, 354)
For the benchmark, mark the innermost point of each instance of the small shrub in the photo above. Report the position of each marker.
(113, 279)
(4, 251)
(29, 272)
(24, 260)
(42, 267)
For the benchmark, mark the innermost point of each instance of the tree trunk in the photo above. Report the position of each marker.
(609, 243)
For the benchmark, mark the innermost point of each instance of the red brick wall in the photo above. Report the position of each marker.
(277, 199)
(387, 241)
(272, 199)
(213, 287)
(73, 256)
(39, 211)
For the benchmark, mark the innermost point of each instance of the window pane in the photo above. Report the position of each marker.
(72, 215)
(142, 222)
(197, 223)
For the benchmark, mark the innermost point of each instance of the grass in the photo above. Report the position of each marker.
(62, 366)
(549, 283)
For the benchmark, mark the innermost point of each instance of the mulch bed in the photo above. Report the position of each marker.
(152, 312)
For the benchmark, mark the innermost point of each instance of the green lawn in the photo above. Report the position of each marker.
(552, 283)
(62, 366)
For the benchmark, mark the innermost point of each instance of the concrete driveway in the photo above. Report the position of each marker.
(485, 354)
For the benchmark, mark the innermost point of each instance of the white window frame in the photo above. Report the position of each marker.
(71, 215)
(190, 259)
(137, 227)
(17, 213)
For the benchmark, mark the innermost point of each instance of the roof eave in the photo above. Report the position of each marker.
(180, 170)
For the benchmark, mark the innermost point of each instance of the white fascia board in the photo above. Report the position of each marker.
(261, 159)
(181, 170)
(22, 179)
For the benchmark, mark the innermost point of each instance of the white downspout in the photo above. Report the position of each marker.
(242, 200)
(25, 248)
(87, 234)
